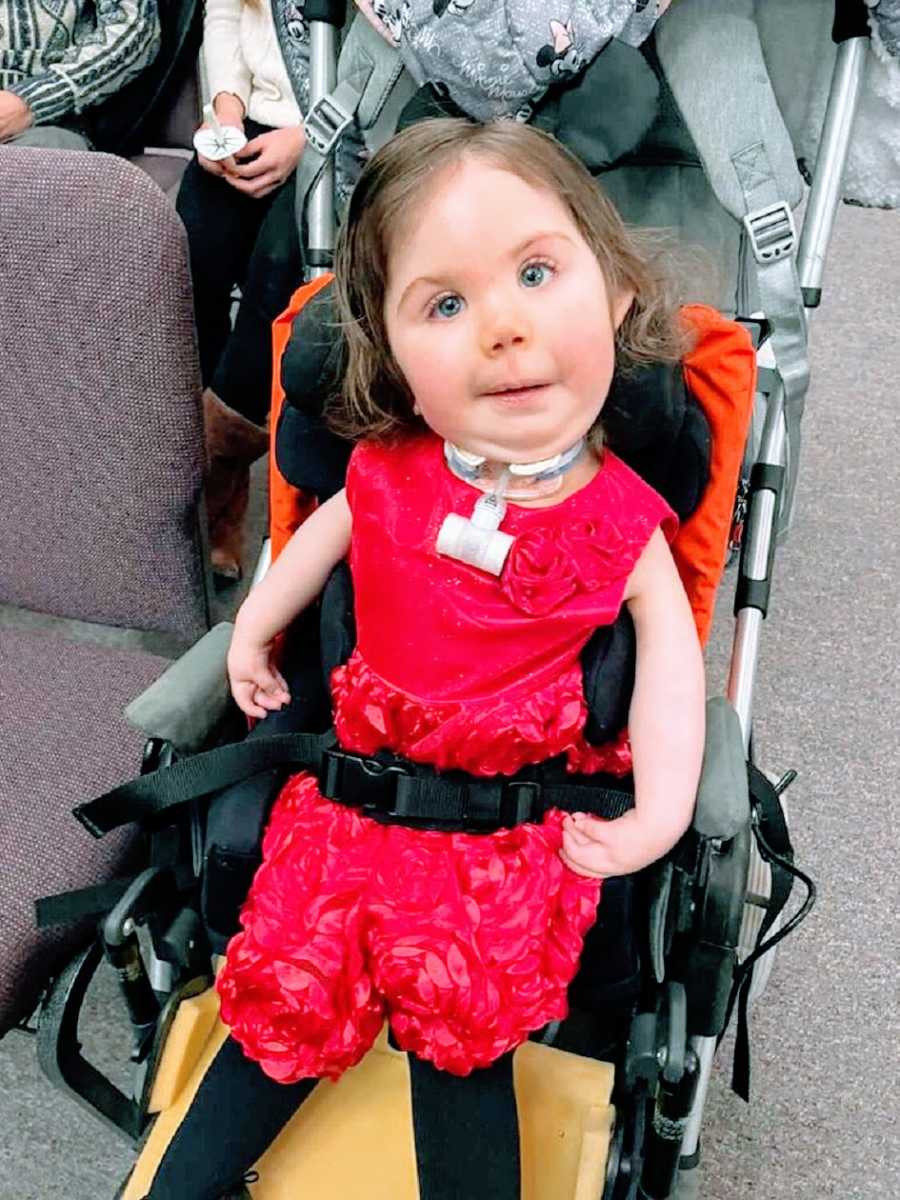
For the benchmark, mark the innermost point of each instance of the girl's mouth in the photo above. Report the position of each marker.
(517, 393)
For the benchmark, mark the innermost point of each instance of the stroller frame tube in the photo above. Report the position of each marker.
(821, 209)
(321, 207)
(824, 196)
(756, 562)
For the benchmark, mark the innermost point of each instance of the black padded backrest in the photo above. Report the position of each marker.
(101, 444)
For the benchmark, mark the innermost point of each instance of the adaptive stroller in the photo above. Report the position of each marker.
(704, 916)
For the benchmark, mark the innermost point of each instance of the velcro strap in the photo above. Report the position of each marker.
(200, 775)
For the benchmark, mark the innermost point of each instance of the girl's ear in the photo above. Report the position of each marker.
(621, 305)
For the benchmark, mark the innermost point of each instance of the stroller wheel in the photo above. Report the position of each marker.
(626, 1153)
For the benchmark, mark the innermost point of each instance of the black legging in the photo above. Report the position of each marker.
(236, 239)
(466, 1130)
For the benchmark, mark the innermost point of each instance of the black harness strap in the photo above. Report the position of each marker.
(773, 839)
(199, 775)
(395, 791)
(580, 795)
(83, 902)
(65, 907)
(385, 787)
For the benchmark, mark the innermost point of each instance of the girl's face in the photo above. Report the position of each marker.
(498, 315)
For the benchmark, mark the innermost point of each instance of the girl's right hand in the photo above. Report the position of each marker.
(229, 111)
(256, 684)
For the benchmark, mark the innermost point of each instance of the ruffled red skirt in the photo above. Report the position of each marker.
(465, 943)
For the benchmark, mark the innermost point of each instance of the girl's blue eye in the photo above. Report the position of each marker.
(447, 306)
(535, 273)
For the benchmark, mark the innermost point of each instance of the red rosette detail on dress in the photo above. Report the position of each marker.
(612, 758)
(549, 564)
(475, 951)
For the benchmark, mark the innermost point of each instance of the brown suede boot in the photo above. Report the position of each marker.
(233, 444)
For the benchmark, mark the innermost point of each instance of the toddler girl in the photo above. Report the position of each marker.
(487, 290)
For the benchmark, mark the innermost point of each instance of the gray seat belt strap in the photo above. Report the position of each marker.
(372, 88)
(324, 125)
(772, 238)
(733, 117)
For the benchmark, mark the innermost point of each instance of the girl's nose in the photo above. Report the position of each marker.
(503, 328)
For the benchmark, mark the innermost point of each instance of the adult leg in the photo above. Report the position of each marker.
(222, 225)
(466, 1132)
(243, 376)
(51, 137)
(242, 384)
(236, 1115)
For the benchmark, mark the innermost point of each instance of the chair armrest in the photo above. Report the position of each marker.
(190, 698)
(723, 795)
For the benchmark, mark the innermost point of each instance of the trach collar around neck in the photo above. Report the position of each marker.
(533, 477)
(478, 539)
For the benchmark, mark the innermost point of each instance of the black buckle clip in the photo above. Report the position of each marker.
(362, 783)
(390, 793)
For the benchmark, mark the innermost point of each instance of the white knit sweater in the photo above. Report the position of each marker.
(242, 56)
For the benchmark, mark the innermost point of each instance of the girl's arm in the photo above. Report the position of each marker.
(226, 69)
(294, 580)
(665, 724)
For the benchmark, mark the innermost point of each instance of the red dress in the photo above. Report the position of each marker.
(466, 942)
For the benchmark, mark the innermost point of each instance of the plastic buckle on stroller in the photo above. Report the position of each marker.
(324, 124)
(363, 782)
(771, 232)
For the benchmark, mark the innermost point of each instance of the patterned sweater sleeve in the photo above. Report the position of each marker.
(104, 55)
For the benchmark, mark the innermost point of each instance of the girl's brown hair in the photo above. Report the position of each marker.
(375, 399)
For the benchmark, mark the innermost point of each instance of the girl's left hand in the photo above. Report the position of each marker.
(600, 849)
(266, 161)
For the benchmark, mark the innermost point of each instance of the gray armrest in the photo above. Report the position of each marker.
(722, 811)
(723, 798)
(189, 699)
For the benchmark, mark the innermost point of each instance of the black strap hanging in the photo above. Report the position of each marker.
(199, 775)
(774, 843)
